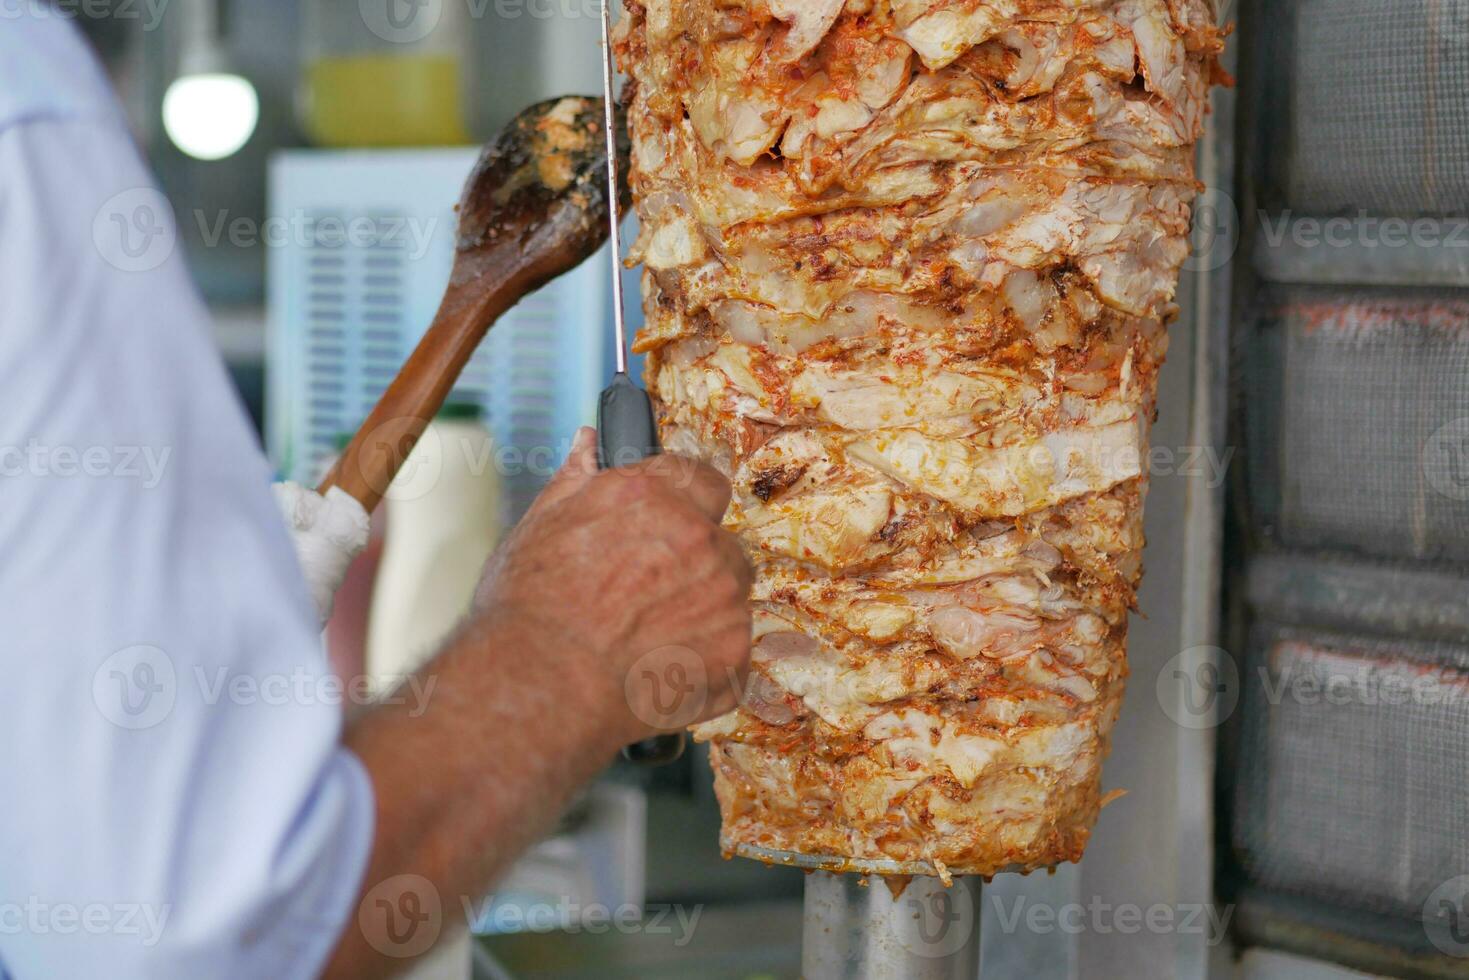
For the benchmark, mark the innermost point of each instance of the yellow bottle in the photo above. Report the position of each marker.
(384, 100)
(375, 75)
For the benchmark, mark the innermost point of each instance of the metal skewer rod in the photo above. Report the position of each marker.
(614, 206)
(856, 928)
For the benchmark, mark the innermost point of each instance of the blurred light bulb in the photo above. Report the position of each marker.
(210, 116)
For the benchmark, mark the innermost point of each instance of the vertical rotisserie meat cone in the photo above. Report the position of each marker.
(908, 266)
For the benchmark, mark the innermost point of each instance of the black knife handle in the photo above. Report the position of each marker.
(627, 433)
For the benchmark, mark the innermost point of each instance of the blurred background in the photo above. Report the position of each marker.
(312, 152)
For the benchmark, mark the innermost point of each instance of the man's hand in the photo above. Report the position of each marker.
(629, 570)
(615, 609)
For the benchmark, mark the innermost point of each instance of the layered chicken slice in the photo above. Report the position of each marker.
(907, 268)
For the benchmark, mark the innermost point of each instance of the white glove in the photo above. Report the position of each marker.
(328, 531)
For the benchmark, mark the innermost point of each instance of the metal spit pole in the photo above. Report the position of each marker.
(861, 931)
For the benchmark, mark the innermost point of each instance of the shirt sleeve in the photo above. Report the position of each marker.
(174, 798)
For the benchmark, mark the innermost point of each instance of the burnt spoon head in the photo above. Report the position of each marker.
(539, 188)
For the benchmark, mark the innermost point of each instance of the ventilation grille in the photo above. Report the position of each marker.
(352, 312)
(1369, 98)
(1358, 422)
(1344, 767)
(1350, 779)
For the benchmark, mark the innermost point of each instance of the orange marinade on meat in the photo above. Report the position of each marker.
(907, 271)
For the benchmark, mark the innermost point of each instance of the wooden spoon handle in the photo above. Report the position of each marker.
(380, 447)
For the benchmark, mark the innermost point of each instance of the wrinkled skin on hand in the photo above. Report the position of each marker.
(628, 576)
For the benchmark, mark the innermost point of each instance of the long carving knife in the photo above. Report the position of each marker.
(626, 432)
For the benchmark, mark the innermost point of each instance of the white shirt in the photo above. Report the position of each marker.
(174, 800)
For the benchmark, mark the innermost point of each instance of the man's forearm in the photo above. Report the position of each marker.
(465, 786)
(605, 570)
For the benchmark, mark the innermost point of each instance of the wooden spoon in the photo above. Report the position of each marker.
(534, 206)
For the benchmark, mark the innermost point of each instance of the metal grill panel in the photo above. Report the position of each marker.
(1377, 116)
(1358, 422)
(1351, 787)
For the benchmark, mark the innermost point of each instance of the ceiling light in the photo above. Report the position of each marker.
(209, 110)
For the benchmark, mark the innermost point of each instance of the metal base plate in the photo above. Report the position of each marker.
(866, 866)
